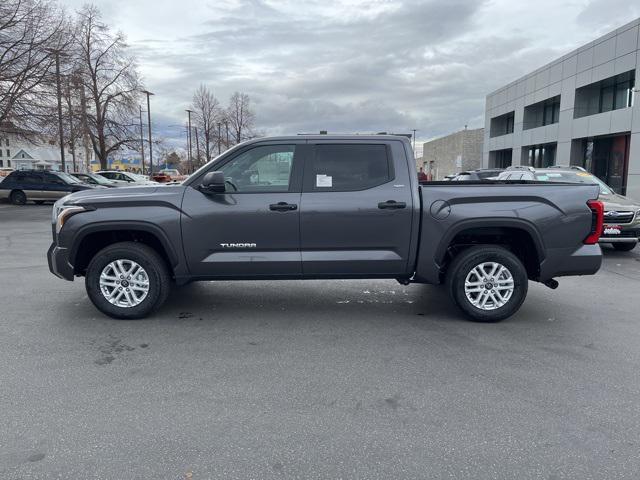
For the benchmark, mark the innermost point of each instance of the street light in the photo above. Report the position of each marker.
(148, 94)
(142, 140)
(414, 142)
(189, 112)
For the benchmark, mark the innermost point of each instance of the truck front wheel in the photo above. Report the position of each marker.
(487, 283)
(127, 280)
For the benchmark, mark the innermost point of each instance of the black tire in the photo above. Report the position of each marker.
(465, 262)
(149, 260)
(18, 197)
(624, 247)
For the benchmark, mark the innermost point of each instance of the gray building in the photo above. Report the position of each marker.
(451, 154)
(579, 110)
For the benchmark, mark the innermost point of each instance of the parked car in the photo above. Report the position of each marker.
(39, 186)
(5, 171)
(125, 177)
(476, 175)
(621, 214)
(93, 179)
(167, 175)
(309, 207)
(161, 177)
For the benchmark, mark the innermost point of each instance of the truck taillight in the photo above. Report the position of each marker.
(597, 221)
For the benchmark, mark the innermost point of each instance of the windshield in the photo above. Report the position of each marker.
(99, 179)
(68, 178)
(573, 177)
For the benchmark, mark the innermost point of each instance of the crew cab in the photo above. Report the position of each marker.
(324, 207)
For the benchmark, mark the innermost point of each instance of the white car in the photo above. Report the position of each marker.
(125, 178)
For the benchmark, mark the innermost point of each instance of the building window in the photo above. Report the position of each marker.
(502, 125)
(542, 113)
(607, 157)
(540, 156)
(8, 163)
(612, 93)
(500, 158)
(1, 164)
(8, 152)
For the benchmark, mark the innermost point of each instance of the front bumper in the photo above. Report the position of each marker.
(58, 259)
(626, 235)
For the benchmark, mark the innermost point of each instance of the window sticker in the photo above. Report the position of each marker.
(584, 174)
(324, 181)
(554, 175)
(542, 178)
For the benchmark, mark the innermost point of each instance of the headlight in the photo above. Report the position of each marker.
(61, 213)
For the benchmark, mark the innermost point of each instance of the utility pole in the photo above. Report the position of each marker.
(197, 148)
(141, 139)
(226, 126)
(189, 139)
(148, 93)
(56, 52)
(219, 138)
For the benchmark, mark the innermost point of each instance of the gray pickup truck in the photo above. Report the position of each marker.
(315, 207)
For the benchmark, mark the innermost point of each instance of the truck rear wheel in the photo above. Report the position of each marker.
(127, 280)
(487, 283)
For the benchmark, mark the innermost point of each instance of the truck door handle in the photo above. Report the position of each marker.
(283, 207)
(391, 204)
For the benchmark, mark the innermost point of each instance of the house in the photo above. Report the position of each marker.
(24, 150)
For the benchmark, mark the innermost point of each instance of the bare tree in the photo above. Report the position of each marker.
(207, 114)
(30, 32)
(110, 84)
(240, 116)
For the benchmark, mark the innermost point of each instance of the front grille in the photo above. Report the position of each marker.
(617, 218)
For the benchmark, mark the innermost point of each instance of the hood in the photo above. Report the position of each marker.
(618, 202)
(124, 195)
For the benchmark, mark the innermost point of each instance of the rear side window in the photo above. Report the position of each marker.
(31, 177)
(343, 168)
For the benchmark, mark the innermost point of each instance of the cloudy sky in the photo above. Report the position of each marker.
(351, 65)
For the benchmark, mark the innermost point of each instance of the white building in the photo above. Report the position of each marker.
(580, 109)
(26, 151)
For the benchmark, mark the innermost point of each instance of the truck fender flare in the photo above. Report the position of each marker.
(112, 226)
(515, 223)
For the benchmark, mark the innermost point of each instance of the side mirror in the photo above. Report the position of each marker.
(213, 182)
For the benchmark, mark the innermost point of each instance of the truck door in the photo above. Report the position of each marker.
(253, 228)
(356, 209)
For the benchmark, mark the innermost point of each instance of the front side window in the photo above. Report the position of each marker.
(349, 167)
(53, 179)
(266, 168)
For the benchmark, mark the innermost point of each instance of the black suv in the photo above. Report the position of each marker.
(39, 186)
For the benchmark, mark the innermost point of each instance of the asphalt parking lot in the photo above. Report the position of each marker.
(320, 379)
